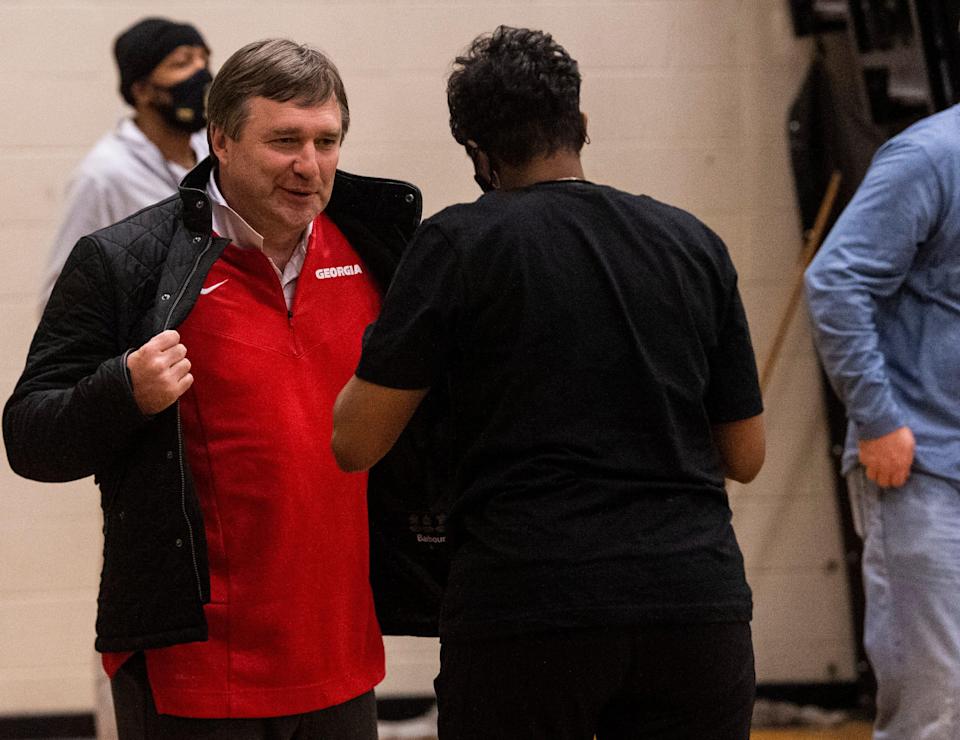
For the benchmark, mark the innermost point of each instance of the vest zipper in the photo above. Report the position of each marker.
(183, 288)
(183, 474)
(183, 503)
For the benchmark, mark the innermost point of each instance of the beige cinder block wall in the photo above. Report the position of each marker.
(687, 102)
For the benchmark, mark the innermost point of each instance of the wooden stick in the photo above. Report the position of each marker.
(814, 237)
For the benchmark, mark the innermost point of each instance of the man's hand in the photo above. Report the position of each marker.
(888, 458)
(160, 372)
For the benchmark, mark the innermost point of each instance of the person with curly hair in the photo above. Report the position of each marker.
(602, 386)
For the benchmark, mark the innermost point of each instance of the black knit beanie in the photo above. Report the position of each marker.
(145, 44)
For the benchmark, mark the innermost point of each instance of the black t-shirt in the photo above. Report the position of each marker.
(589, 339)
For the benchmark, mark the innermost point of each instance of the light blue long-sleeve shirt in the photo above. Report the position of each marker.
(884, 296)
(123, 173)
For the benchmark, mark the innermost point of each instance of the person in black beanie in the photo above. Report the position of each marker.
(153, 57)
(164, 74)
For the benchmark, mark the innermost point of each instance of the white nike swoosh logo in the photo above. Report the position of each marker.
(207, 291)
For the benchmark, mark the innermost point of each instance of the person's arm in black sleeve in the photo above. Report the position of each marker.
(742, 447)
(73, 408)
(402, 355)
(733, 401)
(367, 420)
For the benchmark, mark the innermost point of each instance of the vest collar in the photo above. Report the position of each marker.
(367, 198)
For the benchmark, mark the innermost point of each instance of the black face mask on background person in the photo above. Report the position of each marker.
(185, 108)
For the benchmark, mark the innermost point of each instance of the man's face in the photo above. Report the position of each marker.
(278, 174)
(176, 89)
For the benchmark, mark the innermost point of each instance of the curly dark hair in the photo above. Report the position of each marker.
(516, 93)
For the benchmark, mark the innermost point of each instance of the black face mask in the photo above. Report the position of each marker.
(485, 185)
(185, 109)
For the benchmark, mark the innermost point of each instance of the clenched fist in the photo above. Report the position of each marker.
(160, 372)
(888, 458)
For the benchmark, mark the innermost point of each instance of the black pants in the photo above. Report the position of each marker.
(137, 717)
(691, 682)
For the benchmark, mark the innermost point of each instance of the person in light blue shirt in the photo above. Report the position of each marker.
(884, 297)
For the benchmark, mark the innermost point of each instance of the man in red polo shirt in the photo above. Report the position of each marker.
(189, 357)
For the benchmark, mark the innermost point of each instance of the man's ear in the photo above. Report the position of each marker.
(219, 143)
(586, 129)
(140, 92)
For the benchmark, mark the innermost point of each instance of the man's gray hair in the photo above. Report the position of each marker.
(276, 69)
